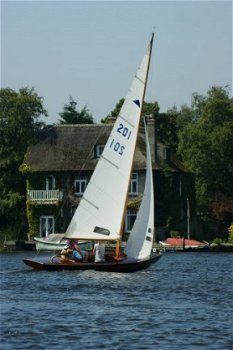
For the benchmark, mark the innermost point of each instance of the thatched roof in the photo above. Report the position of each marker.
(71, 148)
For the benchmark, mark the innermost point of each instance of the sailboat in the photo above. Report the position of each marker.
(101, 212)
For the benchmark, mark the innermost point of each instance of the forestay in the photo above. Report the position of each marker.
(101, 209)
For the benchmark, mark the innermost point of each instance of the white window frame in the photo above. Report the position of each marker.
(81, 181)
(133, 190)
(47, 231)
(129, 214)
(99, 150)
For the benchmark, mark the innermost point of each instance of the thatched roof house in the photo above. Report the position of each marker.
(60, 165)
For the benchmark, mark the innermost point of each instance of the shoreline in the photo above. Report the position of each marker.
(17, 246)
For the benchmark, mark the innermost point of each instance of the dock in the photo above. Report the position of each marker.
(19, 245)
(215, 248)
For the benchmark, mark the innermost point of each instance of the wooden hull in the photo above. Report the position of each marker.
(123, 265)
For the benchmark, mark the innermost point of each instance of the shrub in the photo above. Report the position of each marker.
(230, 230)
(174, 234)
(218, 241)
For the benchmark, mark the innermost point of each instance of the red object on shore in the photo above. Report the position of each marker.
(182, 241)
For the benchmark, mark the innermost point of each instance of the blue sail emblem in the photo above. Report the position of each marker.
(137, 102)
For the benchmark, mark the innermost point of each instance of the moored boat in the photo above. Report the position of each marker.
(182, 244)
(56, 242)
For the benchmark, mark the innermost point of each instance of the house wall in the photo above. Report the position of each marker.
(63, 210)
(171, 192)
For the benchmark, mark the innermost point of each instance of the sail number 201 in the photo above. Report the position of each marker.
(117, 146)
(124, 131)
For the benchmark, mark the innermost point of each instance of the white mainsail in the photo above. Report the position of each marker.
(140, 242)
(101, 209)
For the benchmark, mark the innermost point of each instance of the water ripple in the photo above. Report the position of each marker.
(182, 302)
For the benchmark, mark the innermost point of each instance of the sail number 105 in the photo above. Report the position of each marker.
(125, 132)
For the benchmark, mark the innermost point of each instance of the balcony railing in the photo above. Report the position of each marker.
(45, 196)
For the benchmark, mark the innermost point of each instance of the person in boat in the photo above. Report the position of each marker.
(99, 252)
(73, 250)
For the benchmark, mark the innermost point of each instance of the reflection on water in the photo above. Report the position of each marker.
(181, 302)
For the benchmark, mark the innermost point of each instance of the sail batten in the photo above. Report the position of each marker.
(110, 162)
(127, 121)
(143, 82)
(93, 205)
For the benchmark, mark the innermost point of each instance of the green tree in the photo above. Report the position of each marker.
(71, 116)
(205, 144)
(167, 127)
(147, 109)
(150, 108)
(115, 112)
(20, 114)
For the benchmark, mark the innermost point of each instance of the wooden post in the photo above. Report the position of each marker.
(118, 249)
(188, 219)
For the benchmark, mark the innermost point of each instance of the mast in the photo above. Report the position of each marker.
(118, 243)
(147, 73)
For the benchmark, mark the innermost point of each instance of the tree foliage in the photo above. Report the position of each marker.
(167, 128)
(70, 115)
(115, 112)
(19, 124)
(150, 108)
(206, 146)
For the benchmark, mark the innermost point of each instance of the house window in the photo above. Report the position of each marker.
(130, 218)
(46, 225)
(99, 150)
(134, 184)
(50, 183)
(80, 185)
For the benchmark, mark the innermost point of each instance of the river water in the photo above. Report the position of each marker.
(184, 301)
